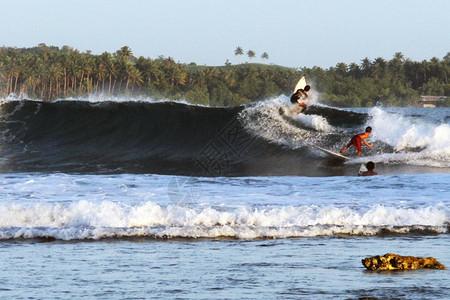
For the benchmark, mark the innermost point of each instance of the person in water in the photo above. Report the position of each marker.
(370, 169)
(356, 141)
(299, 96)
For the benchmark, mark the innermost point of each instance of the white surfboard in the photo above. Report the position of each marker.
(362, 169)
(334, 154)
(300, 84)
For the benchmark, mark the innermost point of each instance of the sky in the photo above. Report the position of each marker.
(295, 33)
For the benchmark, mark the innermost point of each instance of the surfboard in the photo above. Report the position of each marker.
(300, 84)
(334, 154)
(362, 169)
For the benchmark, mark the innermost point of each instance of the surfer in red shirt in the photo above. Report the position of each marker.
(356, 141)
(299, 96)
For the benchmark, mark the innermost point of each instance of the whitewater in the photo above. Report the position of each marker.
(142, 199)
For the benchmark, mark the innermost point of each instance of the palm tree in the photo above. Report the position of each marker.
(89, 66)
(175, 72)
(265, 56)
(230, 79)
(341, 69)
(14, 72)
(31, 75)
(424, 68)
(379, 67)
(107, 61)
(65, 65)
(134, 77)
(99, 74)
(199, 78)
(366, 67)
(120, 67)
(251, 54)
(354, 71)
(124, 53)
(144, 65)
(238, 51)
(54, 73)
(396, 64)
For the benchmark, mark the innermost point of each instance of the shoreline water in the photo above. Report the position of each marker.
(310, 268)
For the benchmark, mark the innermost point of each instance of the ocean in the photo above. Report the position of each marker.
(140, 199)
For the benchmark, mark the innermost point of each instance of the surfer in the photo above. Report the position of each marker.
(370, 172)
(356, 141)
(299, 96)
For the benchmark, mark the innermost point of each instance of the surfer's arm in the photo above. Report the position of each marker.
(369, 145)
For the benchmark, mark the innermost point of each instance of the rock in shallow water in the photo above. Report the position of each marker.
(391, 261)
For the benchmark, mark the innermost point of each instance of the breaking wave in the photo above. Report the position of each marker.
(260, 139)
(88, 220)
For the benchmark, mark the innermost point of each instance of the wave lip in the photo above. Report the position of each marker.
(87, 220)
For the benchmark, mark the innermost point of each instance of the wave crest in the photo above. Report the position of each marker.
(87, 220)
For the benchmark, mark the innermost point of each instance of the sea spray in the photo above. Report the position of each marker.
(417, 141)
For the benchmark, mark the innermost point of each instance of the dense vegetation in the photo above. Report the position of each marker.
(397, 82)
(49, 73)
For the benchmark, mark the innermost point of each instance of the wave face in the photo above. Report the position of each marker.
(176, 138)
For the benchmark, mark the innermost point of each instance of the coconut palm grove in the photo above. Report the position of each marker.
(49, 72)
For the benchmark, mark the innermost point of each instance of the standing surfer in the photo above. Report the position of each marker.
(356, 141)
(299, 96)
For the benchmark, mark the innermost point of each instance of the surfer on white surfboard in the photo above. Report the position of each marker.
(299, 96)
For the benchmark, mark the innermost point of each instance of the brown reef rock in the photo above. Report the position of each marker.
(391, 261)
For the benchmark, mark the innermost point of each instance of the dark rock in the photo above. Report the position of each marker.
(391, 261)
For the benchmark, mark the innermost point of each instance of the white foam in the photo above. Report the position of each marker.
(12, 96)
(89, 220)
(315, 122)
(94, 98)
(263, 119)
(98, 98)
(404, 133)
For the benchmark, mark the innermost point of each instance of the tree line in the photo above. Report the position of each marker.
(396, 82)
(48, 73)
